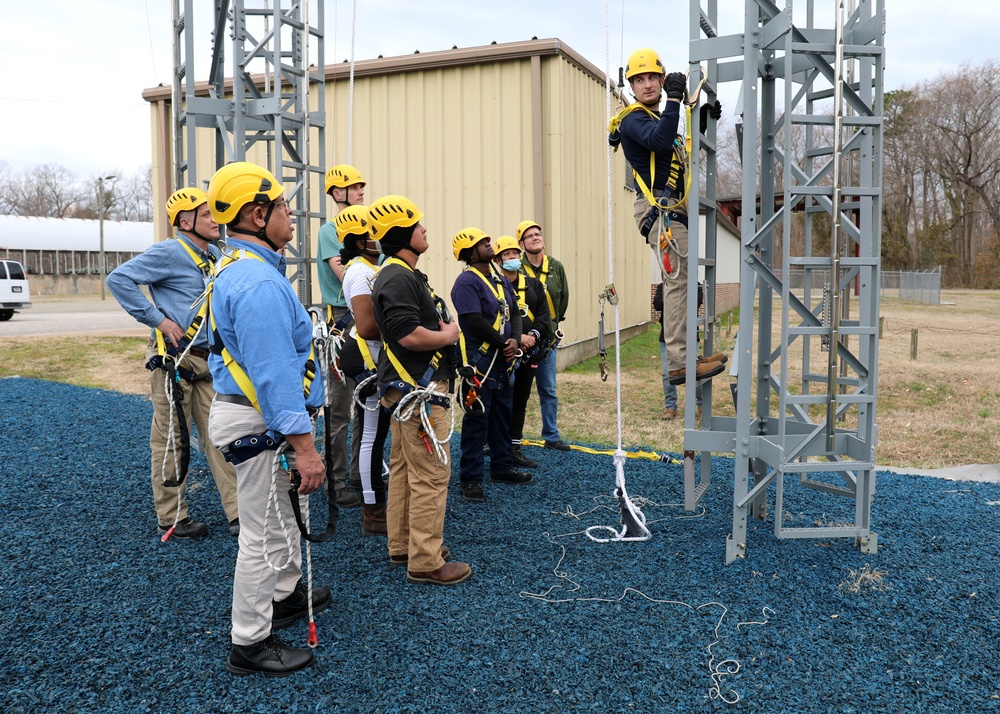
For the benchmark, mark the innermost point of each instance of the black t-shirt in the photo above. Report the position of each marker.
(402, 302)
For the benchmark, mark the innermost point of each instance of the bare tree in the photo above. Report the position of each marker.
(135, 196)
(44, 190)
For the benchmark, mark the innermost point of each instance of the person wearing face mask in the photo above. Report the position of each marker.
(551, 273)
(534, 310)
(491, 334)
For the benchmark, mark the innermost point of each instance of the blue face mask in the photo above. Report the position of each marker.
(512, 265)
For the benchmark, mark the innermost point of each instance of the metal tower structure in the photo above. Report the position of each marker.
(277, 54)
(806, 360)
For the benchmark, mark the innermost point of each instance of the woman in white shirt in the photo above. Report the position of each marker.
(358, 359)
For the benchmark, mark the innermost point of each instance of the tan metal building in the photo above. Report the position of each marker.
(484, 136)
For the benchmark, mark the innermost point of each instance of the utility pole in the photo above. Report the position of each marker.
(100, 222)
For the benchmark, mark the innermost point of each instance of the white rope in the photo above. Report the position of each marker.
(350, 84)
(419, 398)
(635, 519)
(272, 498)
(171, 438)
(718, 671)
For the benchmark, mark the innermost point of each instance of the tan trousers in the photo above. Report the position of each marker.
(418, 491)
(197, 403)
(674, 316)
(255, 584)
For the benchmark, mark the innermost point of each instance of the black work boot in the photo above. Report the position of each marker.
(520, 460)
(287, 611)
(270, 657)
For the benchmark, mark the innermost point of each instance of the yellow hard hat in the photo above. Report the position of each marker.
(642, 61)
(506, 243)
(184, 199)
(391, 212)
(523, 226)
(352, 221)
(466, 238)
(237, 184)
(342, 176)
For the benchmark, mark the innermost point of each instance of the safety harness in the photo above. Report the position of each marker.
(365, 382)
(473, 377)
(419, 394)
(541, 350)
(661, 211)
(169, 358)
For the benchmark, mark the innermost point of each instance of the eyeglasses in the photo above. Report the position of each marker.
(282, 204)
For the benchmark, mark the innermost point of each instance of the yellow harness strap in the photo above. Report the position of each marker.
(192, 330)
(393, 360)
(235, 369)
(543, 276)
(522, 296)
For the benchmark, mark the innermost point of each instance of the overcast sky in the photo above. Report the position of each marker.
(74, 71)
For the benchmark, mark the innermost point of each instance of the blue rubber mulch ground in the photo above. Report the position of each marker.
(99, 616)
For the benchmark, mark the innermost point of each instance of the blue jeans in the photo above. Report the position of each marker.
(670, 390)
(545, 382)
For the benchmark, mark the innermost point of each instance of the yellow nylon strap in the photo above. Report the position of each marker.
(543, 275)
(393, 360)
(238, 373)
(366, 351)
(522, 296)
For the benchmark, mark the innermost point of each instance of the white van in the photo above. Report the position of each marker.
(14, 292)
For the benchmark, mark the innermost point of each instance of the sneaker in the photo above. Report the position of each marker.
(513, 477)
(447, 574)
(703, 371)
(520, 459)
(287, 611)
(405, 558)
(270, 657)
(234, 527)
(558, 445)
(473, 492)
(669, 414)
(187, 529)
(348, 499)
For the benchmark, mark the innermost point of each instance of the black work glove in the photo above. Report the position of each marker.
(712, 109)
(614, 138)
(676, 84)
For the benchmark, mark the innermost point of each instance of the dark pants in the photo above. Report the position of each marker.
(491, 427)
(524, 377)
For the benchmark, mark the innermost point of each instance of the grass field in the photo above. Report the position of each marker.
(941, 409)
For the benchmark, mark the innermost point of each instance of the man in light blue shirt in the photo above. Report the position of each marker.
(175, 271)
(266, 393)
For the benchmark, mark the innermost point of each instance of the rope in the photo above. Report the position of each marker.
(718, 671)
(419, 398)
(278, 463)
(167, 388)
(634, 526)
(648, 455)
(350, 84)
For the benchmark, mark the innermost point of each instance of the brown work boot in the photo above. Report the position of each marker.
(447, 574)
(703, 371)
(404, 558)
(669, 414)
(717, 357)
(373, 519)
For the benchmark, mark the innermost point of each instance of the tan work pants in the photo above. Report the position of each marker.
(197, 402)
(418, 491)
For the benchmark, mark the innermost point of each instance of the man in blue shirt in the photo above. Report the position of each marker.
(346, 187)
(175, 272)
(261, 348)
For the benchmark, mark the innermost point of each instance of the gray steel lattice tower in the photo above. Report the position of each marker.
(266, 103)
(811, 113)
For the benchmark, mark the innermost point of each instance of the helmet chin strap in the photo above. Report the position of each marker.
(262, 233)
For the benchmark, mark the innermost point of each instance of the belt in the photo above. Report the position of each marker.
(234, 399)
(243, 401)
(199, 353)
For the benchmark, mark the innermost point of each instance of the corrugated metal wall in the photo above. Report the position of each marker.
(459, 141)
